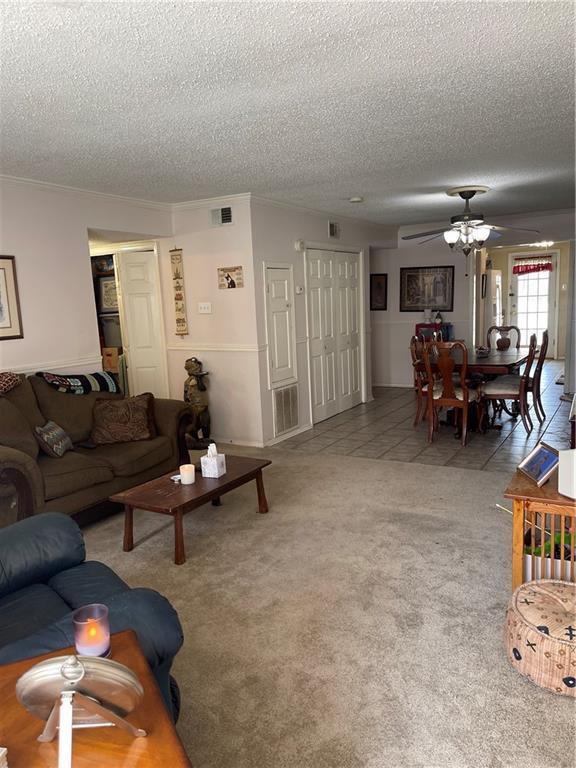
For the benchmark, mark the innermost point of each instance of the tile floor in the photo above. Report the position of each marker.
(382, 429)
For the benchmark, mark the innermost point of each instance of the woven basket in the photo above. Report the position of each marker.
(540, 634)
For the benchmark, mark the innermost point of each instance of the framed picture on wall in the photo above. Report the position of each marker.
(107, 294)
(10, 318)
(378, 292)
(424, 288)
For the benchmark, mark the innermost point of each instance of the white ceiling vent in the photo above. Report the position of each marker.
(334, 230)
(221, 216)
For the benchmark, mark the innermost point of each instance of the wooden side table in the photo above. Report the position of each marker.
(536, 510)
(93, 747)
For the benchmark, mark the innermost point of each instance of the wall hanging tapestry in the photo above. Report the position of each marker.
(10, 318)
(179, 293)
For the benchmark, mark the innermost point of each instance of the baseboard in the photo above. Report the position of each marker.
(287, 435)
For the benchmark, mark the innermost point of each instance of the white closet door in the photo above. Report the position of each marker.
(321, 288)
(333, 309)
(280, 325)
(347, 331)
(142, 322)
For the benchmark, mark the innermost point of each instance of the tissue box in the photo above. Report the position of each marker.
(213, 466)
(567, 473)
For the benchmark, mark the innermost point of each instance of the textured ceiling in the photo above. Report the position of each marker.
(303, 102)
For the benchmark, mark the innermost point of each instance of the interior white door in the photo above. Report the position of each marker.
(334, 322)
(280, 325)
(142, 322)
(347, 331)
(321, 289)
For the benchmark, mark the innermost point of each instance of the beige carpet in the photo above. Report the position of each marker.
(357, 625)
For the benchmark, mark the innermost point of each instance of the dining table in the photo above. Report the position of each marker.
(495, 363)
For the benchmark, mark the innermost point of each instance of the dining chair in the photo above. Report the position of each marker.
(534, 382)
(511, 387)
(502, 331)
(420, 379)
(446, 363)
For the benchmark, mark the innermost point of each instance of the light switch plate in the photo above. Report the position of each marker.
(204, 307)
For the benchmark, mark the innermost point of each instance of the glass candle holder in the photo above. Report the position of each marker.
(92, 630)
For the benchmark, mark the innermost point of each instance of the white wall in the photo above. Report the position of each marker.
(392, 329)
(275, 228)
(226, 341)
(45, 228)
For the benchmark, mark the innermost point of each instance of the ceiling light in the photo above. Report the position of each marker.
(356, 199)
(451, 236)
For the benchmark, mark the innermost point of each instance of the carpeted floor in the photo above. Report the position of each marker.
(357, 625)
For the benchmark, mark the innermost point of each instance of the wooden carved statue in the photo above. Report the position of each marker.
(196, 395)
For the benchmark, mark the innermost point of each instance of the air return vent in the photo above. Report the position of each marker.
(221, 216)
(334, 229)
(285, 409)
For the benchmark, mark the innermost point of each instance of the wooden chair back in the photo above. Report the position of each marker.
(541, 357)
(530, 360)
(501, 329)
(441, 359)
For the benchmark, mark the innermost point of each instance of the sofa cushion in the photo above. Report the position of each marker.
(72, 412)
(128, 459)
(15, 431)
(53, 440)
(72, 472)
(122, 421)
(24, 399)
(8, 381)
(27, 609)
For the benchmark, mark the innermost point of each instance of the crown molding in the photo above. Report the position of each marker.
(210, 202)
(87, 193)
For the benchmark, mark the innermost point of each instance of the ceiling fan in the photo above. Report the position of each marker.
(468, 229)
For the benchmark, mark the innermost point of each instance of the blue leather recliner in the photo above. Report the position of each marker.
(44, 577)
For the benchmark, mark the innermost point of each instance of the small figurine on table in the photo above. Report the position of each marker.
(196, 395)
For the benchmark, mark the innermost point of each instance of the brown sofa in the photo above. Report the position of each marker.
(84, 477)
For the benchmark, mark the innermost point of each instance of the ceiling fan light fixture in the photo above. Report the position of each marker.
(451, 236)
(481, 234)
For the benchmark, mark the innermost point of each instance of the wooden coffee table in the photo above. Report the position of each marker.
(93, 747)
(165, 496)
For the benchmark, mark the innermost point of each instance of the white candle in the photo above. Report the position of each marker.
(92, 630)
(187, 474)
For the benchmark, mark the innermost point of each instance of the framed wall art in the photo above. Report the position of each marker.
(10, 317)
(378, 292)
(108, 295)
(230, 277)
(540, 464)
(424, 288)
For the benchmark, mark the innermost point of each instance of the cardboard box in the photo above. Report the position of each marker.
(110, 359)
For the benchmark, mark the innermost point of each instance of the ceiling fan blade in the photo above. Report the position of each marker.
(430, 238)
(424, 234)
(513, 229)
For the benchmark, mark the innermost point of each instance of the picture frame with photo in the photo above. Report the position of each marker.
(10, 315)
(423, 288)
(541, 463)
(378, 291)
(107, 293)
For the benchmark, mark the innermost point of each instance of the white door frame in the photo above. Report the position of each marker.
(323, 246)
(555, 255)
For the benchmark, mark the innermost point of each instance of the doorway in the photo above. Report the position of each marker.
(140, 350)
(533, 301)
(334, 331)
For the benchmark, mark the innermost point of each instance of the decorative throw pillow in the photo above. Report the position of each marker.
(53, 440)
(8, 381)
(122, 421)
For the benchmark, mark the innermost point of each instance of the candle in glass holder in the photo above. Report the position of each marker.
(92, 630)
(187, 474)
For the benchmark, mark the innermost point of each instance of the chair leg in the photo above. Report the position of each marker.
(418, 408)
(526, 420)
(505, 408)
(538, 407)
(464, 423)
(431, 420)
